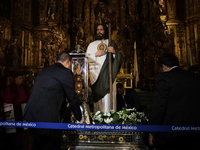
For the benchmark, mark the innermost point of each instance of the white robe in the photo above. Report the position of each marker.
(95, 64)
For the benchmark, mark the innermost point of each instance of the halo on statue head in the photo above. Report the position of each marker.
(102, 46)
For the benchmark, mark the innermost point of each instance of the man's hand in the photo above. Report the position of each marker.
(151, 140)
(100, 53)
(82, 121)
(111, 49)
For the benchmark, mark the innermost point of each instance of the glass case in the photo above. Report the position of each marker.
(80, 72)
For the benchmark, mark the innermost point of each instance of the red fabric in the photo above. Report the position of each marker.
(9, 97)
(23, 97)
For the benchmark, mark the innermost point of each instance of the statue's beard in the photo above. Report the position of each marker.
(100, 36)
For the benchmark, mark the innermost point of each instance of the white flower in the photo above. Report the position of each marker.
(133, 109)
(108, 120)
(98, 118)
(107, 114)
(98, 112)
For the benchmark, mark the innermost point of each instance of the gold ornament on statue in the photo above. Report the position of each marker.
(102, 46)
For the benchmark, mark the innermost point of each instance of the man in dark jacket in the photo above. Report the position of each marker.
(127, 99)
(53, 85)
(176, 103)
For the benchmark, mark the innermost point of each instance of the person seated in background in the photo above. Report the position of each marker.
(127, 100)
(15, 97)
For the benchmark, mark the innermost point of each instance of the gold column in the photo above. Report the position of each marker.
(122, 29)
(78, 6)
(66, 22)
(92, 21)
(180, 31)
(171, 10)
(87, 20)
(66, 11)
(122, 19)
(42, 12)
(35, 51)
(117, 15)
(144, 8)
(17, 8)
(192, 22)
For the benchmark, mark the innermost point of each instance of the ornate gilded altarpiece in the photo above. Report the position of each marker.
(43, 28)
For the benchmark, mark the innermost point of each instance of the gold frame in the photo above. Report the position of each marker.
(128, 83)
(100, 45)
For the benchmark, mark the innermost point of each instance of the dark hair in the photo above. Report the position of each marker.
(105, 30)
(18, 73)
(63, 56)
(119, 85)
(169, 60)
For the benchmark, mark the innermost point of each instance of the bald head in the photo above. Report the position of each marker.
(63, 56)
(65, 59)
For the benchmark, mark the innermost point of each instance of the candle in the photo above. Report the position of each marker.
(26, 57)
(135, 45)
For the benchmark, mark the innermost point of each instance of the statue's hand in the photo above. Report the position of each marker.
(111, 49)
(100, 53)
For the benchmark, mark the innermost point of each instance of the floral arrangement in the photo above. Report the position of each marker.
(124, 116)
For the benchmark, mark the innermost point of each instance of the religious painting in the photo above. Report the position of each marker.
(162, 7)
(105, 12)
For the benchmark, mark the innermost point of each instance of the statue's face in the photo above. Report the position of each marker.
(100, 32)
